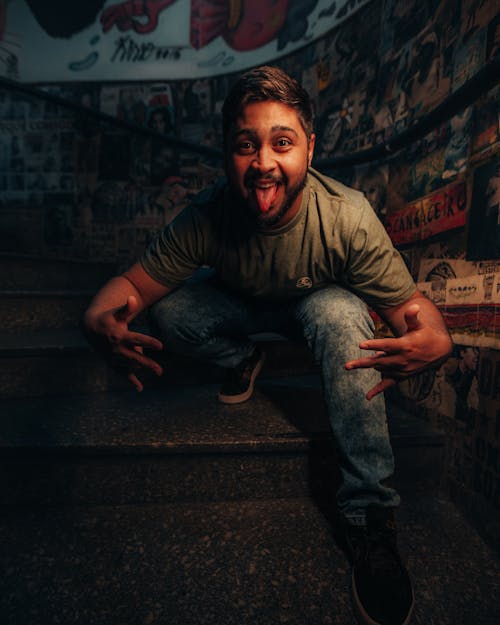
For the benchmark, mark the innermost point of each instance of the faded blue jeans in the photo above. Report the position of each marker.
(208, 323)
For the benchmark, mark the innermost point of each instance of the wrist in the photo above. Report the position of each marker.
(90, 321)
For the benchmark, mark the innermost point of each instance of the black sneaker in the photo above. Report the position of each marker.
(381, 587)
(239, 382)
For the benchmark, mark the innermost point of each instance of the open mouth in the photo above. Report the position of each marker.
(265, 196)
(265, 192)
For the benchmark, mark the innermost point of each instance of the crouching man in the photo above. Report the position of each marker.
(298, 253)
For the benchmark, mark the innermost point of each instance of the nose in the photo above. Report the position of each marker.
(264, 159)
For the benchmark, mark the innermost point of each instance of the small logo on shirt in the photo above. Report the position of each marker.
(304, 283)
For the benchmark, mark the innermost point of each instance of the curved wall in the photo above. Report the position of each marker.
(109, 40)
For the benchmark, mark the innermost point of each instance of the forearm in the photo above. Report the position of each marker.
(111, 296)
(115, 293)
(429, 315)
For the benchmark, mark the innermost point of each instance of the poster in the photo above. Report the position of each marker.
(445, 269)
(438, 212)
(469, 57)
(372, 181)
(471, 312)
(484, 221)
(110, 40)
(486, 126)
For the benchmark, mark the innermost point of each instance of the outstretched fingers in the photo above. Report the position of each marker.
(382, 386)
(139, 386)
(365, 362)
(135, 359)
(391, 363)
(144, 340)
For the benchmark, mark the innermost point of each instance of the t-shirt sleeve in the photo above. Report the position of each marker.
(374, 268)
(177, 251)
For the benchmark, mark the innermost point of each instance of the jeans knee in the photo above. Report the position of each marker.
(338, 313)
(194, 315)
(164, 316)
(351, 318)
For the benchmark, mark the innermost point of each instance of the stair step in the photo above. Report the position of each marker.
(38, 310)
(34, 273)
(48, 362)
(181, 444)
(230, 563)
(36, 363)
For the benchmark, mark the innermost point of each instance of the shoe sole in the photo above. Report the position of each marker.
(239, 399)
(365, 618)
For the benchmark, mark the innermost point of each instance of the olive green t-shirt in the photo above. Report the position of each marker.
(334, 238)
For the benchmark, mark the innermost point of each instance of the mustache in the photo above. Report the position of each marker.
(251, 179)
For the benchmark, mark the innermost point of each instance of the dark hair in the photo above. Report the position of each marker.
(267, 84)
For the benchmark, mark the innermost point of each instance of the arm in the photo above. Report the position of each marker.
(106, 320)
(422, 341)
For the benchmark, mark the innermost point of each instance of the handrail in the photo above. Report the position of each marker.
(484, 80)
(13, 85)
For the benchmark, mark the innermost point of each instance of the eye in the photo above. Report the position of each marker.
(283, 143)
(245, 147)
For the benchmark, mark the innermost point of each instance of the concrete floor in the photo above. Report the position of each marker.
(259, 562)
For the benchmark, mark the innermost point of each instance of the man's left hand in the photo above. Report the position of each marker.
(420, 347)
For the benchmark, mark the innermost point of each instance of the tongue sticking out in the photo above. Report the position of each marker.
(265, 197)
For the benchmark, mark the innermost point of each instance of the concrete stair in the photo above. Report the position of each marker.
(32, 310)
(181, 444)
(56, 361)
(167, 507)
(23, 273)
(266, 561)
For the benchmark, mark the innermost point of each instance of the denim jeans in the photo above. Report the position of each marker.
(204, 321)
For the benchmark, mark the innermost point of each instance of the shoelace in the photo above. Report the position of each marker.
(377, 548)
(381, 553)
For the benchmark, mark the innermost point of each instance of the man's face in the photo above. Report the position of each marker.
(267, 156)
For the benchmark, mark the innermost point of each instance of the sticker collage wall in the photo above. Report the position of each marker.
(71, 188)
(440, 202)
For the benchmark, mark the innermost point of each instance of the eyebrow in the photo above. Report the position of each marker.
(253, 131)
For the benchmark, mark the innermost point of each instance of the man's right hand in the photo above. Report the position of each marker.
(108, 332)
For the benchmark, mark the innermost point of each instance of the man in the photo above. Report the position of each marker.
(294, 252)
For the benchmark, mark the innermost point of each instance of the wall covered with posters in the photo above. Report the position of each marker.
(74, 189)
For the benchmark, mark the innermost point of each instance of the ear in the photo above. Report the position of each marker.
(310, 149)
